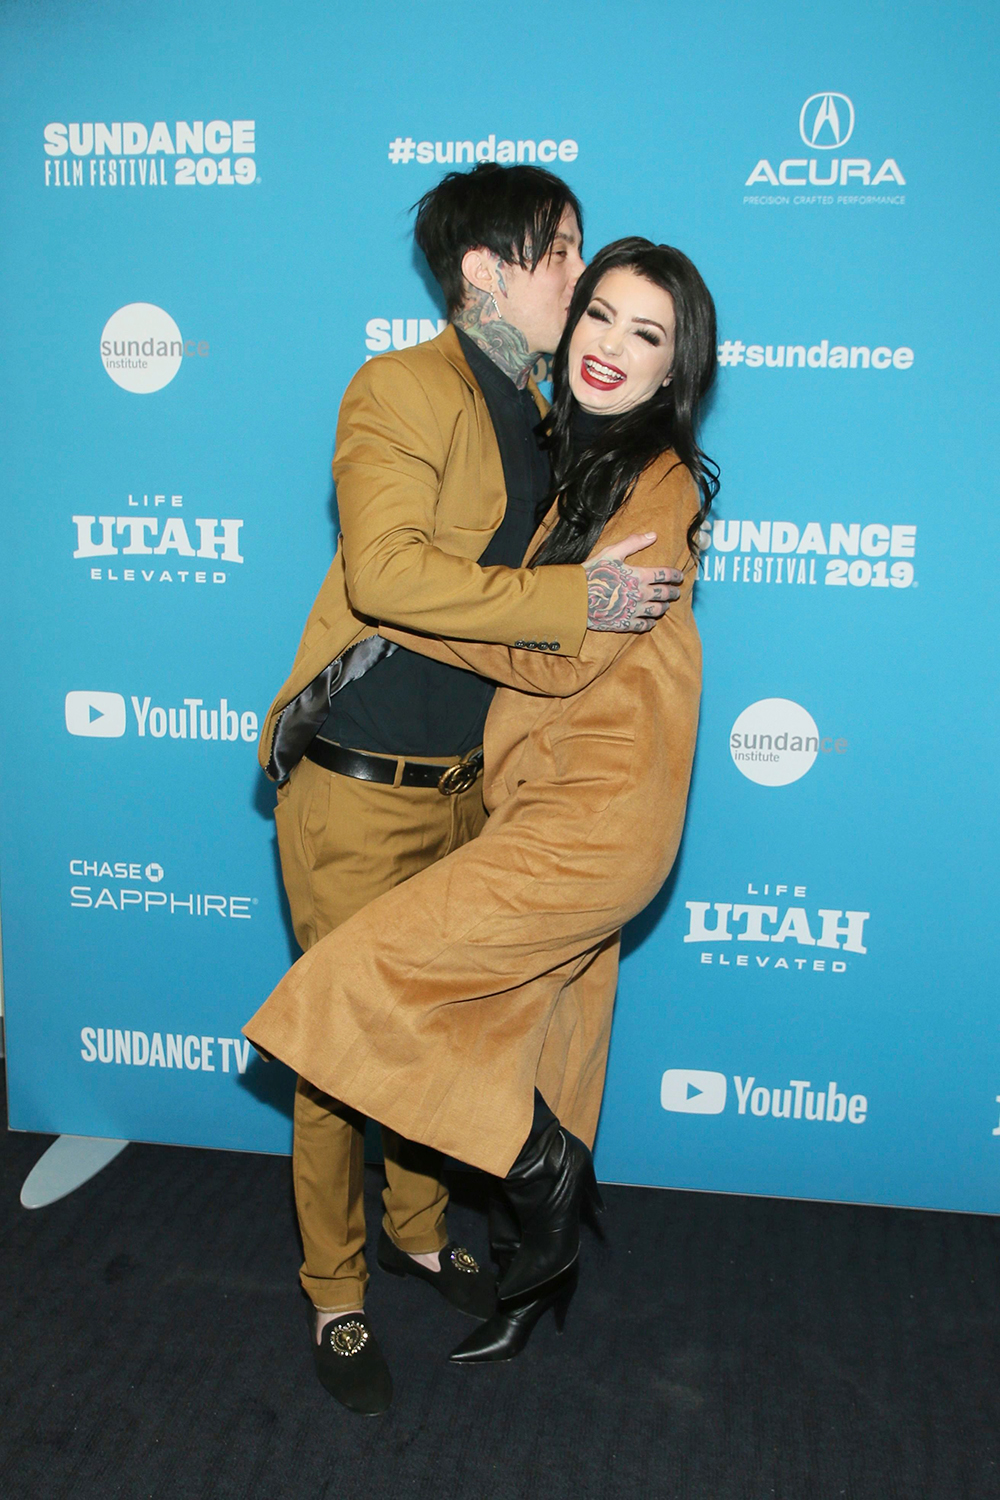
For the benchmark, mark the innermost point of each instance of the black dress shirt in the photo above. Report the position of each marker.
(407, 704)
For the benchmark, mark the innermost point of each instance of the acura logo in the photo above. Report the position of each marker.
(826, 121)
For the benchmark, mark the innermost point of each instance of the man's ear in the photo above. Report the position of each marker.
(478, 268)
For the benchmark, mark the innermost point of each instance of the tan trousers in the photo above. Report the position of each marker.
(342, 843)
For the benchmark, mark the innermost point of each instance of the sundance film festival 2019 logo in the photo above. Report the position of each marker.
(128, 154)
(821, 179)
(848, 555)
(142, 348)
(383, 334)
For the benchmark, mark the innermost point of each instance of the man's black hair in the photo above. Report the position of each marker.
(513, 212)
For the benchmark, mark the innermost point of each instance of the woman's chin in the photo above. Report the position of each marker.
(593, 401)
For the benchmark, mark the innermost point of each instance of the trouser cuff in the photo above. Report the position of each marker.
(340, 1295)
(425, 1244)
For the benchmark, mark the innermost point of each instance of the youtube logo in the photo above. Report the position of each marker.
(691, 1091)
(101, 716)
(104, 716)
(695, 1091)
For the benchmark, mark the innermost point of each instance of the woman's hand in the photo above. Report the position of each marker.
(623, 598)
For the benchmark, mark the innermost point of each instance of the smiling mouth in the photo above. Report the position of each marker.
(601, 376)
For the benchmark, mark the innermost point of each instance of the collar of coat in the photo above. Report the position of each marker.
(449, 346)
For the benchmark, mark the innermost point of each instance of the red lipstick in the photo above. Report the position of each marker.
(599, 374)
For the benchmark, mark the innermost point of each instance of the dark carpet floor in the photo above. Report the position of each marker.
(153, 1343)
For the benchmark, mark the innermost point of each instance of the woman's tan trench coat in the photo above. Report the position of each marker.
(439, 1007)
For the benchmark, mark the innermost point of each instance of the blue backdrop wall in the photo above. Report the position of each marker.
(206, 234)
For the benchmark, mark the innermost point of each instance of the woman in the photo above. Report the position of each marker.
(470, 1008)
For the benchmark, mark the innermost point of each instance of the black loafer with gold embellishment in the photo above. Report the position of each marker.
(351, 1365)
(461, 1280)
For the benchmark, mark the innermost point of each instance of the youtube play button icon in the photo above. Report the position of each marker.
(101, 716)
(691, 1091)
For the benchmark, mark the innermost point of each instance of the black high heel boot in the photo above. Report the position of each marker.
(505, 1334)
(504, 1230)
(546, 1187)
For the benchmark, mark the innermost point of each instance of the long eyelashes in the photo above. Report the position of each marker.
(600, 316)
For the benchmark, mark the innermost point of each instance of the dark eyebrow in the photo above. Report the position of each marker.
(652, 321)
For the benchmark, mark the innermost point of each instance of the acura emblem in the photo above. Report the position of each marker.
(826, 121)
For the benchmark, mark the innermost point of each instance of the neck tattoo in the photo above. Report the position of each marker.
(505, 345)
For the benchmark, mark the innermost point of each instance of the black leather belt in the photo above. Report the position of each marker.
(448, 780)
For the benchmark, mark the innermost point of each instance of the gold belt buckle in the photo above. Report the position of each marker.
(460, 777)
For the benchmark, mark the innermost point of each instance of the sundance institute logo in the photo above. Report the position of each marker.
(142, 348)
(774, 741)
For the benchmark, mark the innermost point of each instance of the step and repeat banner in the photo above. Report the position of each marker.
(207, 232)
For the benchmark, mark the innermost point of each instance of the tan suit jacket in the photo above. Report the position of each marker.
(420, 492)
(438, 1007)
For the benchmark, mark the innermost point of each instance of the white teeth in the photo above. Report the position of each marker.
(603, 371)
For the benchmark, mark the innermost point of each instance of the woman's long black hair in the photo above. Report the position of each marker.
(595, 482)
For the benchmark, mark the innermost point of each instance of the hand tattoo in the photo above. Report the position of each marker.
(505, 345)
(613, 595)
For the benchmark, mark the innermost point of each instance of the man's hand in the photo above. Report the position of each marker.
(623, 598)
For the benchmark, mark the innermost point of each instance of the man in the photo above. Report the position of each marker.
(378, 750)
